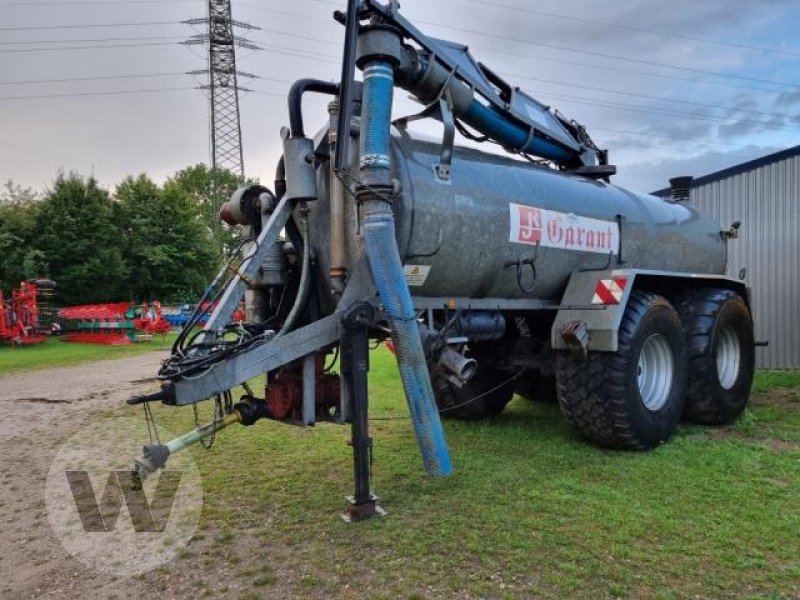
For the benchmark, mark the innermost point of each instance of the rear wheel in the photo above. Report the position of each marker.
(719, 338)
(632, 398)
(484, 396)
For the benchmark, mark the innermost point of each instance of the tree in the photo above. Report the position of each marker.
(18, 213)
(198, 181)
(166, 247)
(76, 233)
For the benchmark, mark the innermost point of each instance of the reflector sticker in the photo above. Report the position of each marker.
(538, 226)
(609, 291)
(416, 275)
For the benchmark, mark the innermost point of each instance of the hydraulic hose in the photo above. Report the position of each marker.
(387, 269)
(280, 178)
(305, 280)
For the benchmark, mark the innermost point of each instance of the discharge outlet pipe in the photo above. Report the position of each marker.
(374, 194)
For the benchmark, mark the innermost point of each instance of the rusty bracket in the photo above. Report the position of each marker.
(576, 335)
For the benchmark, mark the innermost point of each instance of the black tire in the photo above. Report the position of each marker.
(600, 396)
(709, 318)
(536, 387)
(493, 390)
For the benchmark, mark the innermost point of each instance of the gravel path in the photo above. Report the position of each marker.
(40, 410)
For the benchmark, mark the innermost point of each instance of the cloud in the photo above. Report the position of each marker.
(788, 99)
(160, 133)
(651, 175)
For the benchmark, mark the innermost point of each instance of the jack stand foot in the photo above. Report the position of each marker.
(355, 365)
(362, 512)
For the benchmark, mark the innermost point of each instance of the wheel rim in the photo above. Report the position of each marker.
(729, 357)
(656, 370)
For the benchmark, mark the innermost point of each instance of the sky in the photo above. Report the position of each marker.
(670, 88)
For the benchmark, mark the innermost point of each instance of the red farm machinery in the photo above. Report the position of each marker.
(20, 315)
(113, 324)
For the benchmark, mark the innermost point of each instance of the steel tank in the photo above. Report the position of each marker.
(476, 236)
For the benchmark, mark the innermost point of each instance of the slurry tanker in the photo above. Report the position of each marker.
(489, 274)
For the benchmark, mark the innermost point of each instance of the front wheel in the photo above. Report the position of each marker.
(632, 398)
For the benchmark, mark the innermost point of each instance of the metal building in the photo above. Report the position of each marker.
(764, 194)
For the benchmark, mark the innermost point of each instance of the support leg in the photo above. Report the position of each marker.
(355, 366)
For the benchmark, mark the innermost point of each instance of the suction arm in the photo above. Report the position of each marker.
(480, 98)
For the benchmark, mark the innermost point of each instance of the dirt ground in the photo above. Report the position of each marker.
(40, 410)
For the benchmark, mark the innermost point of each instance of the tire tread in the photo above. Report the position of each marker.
(591, 393)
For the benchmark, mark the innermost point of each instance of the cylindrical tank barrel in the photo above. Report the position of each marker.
(507, 229)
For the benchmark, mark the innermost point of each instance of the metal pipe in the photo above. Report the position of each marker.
(296, 92)
(201, 433)
(338, 251)
(309, 389)
(387, 269)
(461, 367)
(155, 456)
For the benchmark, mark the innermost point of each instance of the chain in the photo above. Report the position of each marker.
(486, 393)
(514, 377)
(219, 415)
(152, 428)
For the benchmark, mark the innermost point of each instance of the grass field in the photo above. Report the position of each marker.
(530, 512)
(55, 353)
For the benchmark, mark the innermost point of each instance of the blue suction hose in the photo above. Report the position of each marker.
(387, 269)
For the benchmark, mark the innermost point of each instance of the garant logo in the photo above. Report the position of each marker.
(530, 225)
(533, 226)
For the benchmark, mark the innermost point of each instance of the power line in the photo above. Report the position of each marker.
(561, 61)
(87, 41)
(636, 108)
(287, 13)
(321, 57)
(650, 97)
(89, 47)
(88, 3)
(637, 29)
(301, 37)
(559, 48)
(591, 101)
(297, 53)
(610, 56)
(659, 111)
(107, 93)
(89, 26)
(606, 67)
(94, 78)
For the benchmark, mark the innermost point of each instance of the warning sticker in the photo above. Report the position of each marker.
(416, 275)
(538, 226)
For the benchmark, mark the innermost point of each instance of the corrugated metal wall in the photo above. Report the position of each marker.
(767, 202)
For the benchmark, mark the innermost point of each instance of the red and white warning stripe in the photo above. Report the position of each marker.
(609, 291)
